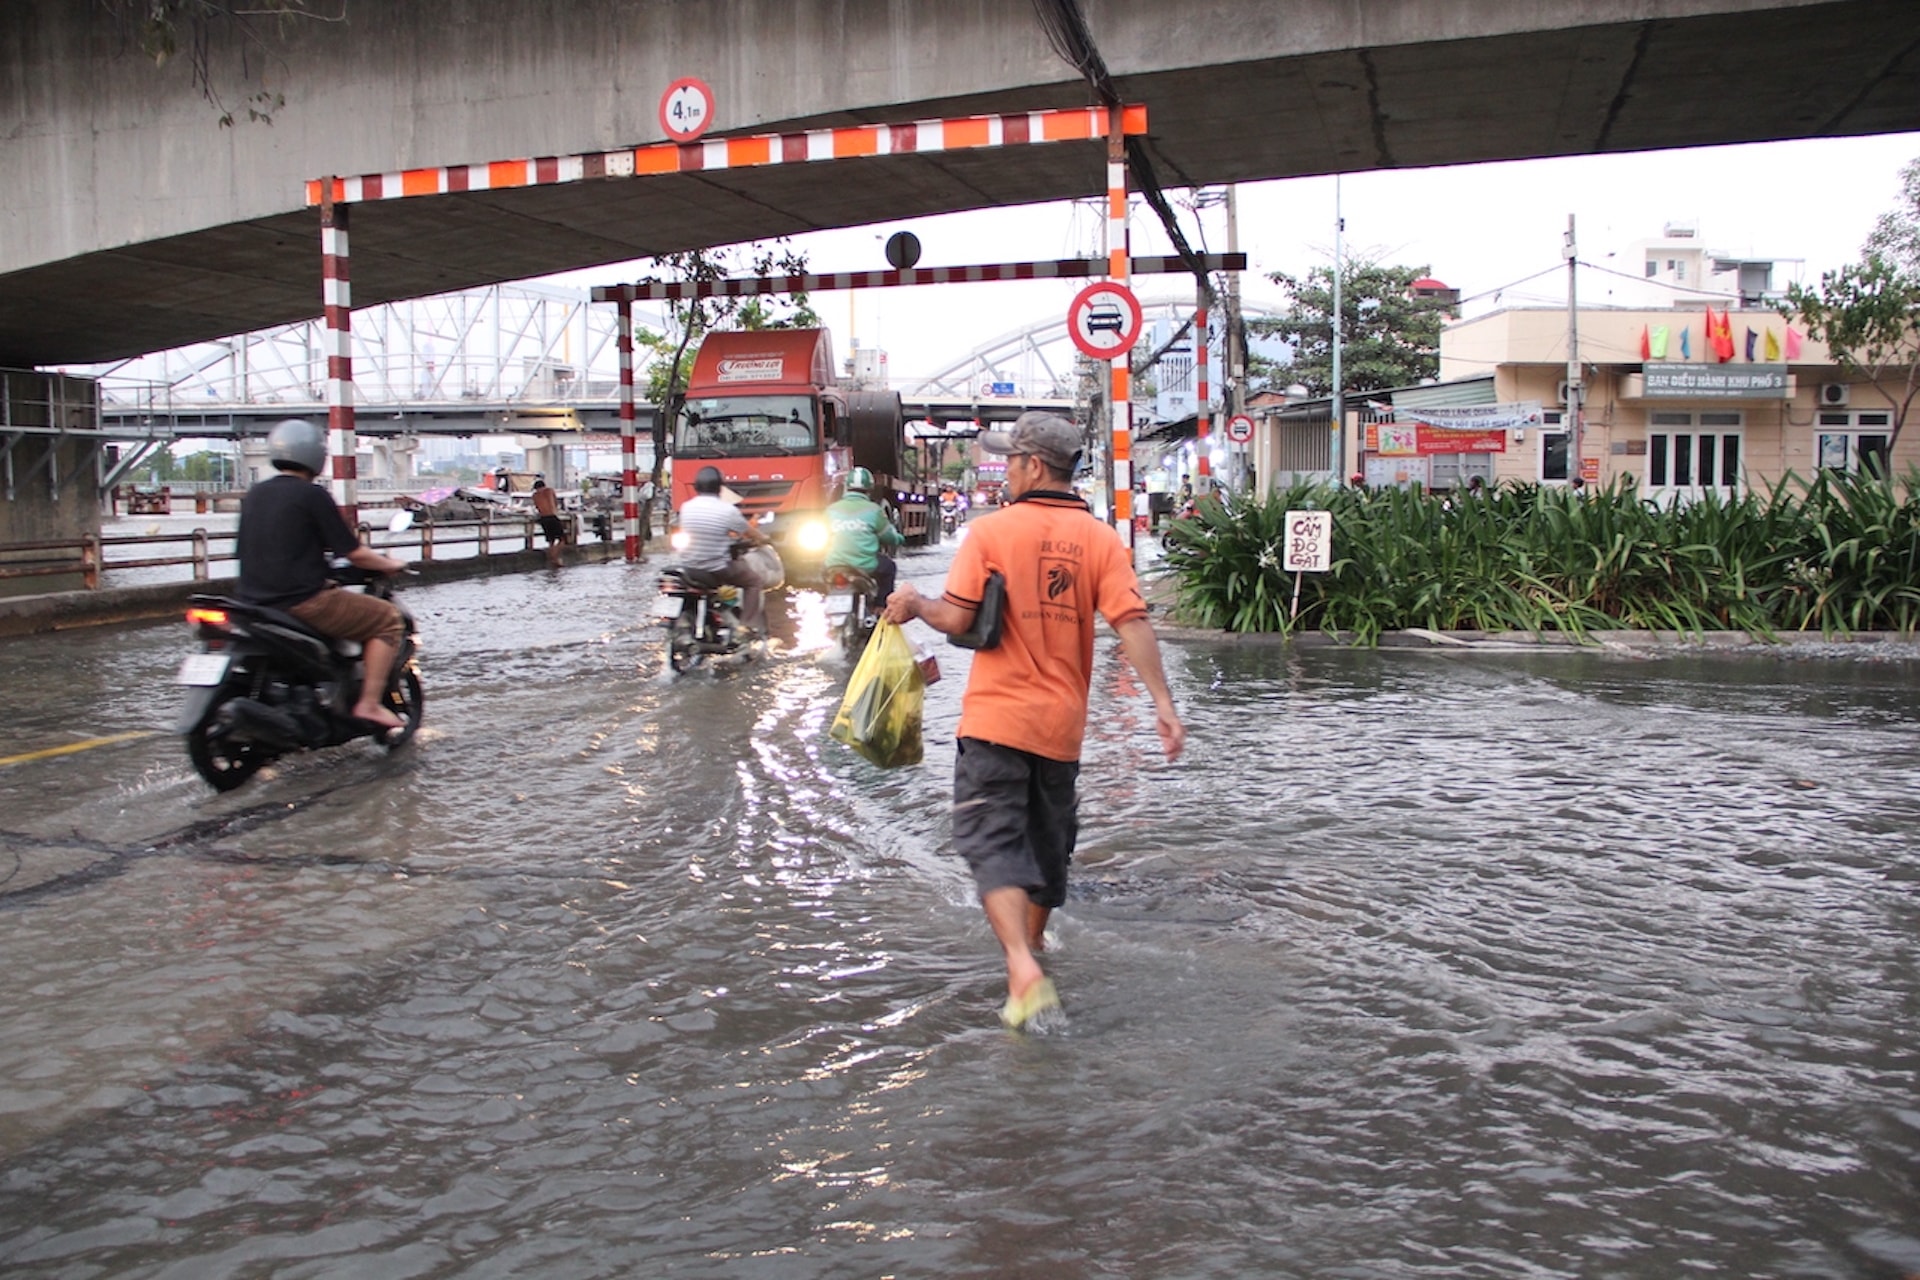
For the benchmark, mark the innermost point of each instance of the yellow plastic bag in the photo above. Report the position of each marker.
(880, 716)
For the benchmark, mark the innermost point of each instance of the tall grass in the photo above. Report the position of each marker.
(1837, 554)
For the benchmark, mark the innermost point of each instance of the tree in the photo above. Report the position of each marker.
(1896, 236)
(1868, 314)
(1389, 338)
(694, 318)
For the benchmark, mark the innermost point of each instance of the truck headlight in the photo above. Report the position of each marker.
(813, 535)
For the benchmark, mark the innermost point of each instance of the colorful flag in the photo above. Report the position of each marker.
(1686, 343)
(1722, 336)
(1658, 346)
(1646, 350)
(1772, 347)
(1793, 343)
(1752, 338)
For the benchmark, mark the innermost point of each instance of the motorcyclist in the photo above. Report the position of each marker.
(862, 533)
(713, 525)
(289, 531)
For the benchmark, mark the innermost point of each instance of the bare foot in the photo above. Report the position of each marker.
(375, 713)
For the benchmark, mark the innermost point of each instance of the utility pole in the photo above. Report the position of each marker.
(1339, 409)
(1236, 358)
(1573, 357)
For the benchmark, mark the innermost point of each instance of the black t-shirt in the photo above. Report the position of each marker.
(288, 529)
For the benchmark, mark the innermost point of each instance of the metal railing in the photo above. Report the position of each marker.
(86, 556)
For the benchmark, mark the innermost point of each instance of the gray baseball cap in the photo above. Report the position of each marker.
(1048, 436)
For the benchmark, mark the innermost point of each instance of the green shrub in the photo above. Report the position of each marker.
(1838, 554)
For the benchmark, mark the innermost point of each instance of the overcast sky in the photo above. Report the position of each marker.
(1479, 228)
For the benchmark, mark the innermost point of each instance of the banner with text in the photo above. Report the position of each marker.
(1716, 381)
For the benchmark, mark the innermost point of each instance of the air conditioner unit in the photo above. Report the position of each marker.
(1560, 392)
(1833, 394)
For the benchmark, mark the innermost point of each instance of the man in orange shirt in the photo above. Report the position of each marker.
(1024, 714)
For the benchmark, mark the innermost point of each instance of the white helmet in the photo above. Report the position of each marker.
(298, 443)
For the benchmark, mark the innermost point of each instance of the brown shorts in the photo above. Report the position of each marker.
(349, 615)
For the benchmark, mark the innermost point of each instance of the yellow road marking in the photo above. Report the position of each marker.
(73, 747)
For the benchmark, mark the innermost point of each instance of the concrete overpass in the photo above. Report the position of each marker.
(131, 220)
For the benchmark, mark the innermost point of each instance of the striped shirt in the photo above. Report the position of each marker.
(707, 522)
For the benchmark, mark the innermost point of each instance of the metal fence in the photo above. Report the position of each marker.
(86, 556)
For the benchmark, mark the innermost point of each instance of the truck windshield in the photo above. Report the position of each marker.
(746, 426)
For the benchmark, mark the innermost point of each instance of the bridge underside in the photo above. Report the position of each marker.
(1812, 70)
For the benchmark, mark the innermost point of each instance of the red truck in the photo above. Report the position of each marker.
(767, 407)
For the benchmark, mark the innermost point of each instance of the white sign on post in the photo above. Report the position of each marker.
(1309, 541)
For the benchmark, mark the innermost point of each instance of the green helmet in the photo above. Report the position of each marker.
(859, 480)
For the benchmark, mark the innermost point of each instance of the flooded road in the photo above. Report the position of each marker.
(1415, 965)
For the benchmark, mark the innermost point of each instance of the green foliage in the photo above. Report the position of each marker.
(695, 318)
(1837, 555)
(1896, 235)
(1387, 338)
(1868, 314)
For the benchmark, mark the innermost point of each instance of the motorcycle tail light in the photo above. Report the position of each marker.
(207, 617)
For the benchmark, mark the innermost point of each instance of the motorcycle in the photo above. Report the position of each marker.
(853, 607)
(265, 685)
(702, 617)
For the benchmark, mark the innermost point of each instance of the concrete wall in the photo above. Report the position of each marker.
(102, 148)
(53, 482)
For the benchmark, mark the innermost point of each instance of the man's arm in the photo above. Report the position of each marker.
(1142, 648)
(940, 613)
(365, 557)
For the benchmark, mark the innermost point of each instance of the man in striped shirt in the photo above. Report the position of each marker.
(713, 525)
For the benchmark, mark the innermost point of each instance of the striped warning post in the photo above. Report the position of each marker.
(629, 474)
(1120, 390)
(336, 300)
(924, 137)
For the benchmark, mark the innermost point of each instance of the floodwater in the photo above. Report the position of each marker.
(1415, 965)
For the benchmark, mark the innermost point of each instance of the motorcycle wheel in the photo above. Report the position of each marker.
(225, 765)
(409, 702)
(683, 653)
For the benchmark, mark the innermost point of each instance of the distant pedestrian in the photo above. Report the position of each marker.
(1024, 714)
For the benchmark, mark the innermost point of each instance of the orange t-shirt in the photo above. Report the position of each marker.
(1062, 566)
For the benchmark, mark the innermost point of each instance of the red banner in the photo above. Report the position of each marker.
(1405, 439)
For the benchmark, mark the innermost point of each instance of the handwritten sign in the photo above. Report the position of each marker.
(1309, 541)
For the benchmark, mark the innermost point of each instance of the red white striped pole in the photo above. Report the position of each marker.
(1120, 384)
(981, 273)
(629, 476)
(1203, 393)
(336, 300)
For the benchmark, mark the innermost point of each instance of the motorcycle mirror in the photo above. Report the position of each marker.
(402, 521)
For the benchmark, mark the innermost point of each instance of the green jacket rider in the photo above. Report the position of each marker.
(861, 533)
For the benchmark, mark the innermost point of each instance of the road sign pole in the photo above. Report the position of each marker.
(1120, 383)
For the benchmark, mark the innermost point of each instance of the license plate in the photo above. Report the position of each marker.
(668, 606)
(839, 603)
(204, 668)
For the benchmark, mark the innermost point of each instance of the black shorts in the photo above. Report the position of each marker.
(555, 530)
(1015, 819)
